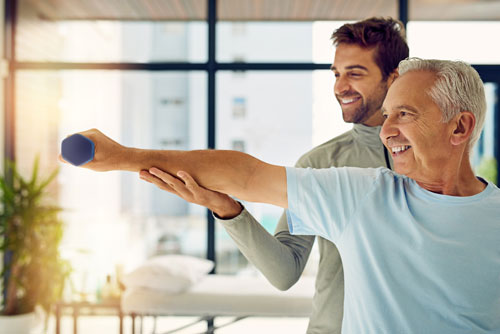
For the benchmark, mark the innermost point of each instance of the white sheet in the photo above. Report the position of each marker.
(225, 296)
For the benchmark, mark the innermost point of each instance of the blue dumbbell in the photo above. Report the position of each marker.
(77, 149)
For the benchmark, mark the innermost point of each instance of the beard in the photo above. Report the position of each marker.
(369, 105)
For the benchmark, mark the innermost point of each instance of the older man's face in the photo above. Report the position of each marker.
(413, 131)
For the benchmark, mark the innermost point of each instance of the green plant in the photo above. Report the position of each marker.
(31, 233)
(488, 169)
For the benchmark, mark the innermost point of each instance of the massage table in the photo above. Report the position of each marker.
(222, 295)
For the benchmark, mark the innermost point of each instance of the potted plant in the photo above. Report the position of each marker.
(30, 229)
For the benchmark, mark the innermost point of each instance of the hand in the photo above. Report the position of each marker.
(187, 188)
(108, 154)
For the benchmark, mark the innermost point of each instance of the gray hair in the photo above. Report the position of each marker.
(457, 88)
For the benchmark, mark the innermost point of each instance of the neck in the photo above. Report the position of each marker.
(374, 120)
(460, 182)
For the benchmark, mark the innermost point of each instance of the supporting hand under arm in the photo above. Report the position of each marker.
(186, 187)
(229, 172)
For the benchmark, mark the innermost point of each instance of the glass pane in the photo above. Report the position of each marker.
(108, 41)
(323, 50)
(114, 218)
(257, 41)
(300, 42)
(483, 158)
(276, 116)
(467, 41)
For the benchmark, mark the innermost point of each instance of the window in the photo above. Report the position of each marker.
(115, 213)
(239, 107)
(466, 41)
(238, 145)
(107, 41)
(264, 42)
(483, 158)
(274, 114)
(290, 112)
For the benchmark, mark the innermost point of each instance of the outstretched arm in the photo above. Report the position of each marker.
(229, 172)
(281, 258)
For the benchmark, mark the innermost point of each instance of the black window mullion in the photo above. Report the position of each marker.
(403, 11)
(211, 69)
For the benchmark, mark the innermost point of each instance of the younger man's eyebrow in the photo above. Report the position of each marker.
(351, 67)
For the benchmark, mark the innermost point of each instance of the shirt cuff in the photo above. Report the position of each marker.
(292, 213)
(231, 221)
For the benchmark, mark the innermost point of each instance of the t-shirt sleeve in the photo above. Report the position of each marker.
(322, 201)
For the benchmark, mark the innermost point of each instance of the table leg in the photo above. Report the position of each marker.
(58, 318)
(120, 315)
(75, 320)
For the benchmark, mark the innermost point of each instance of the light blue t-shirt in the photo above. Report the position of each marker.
(414, 261)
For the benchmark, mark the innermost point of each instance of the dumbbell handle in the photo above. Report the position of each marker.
(77, 149)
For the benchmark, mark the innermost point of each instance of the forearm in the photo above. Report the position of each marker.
(230, 172)
(281, 258)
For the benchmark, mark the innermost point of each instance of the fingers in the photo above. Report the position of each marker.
(60, 158)
(182, 189)
(144, 175)
(90, 133)
(164, 176)
(188, 180)
(148, 177)
(188, 189)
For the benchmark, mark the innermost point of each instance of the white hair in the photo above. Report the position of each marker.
(457, 88)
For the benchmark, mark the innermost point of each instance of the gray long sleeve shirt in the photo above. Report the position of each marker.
(282, 257)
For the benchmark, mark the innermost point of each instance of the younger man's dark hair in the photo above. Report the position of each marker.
(387, 35)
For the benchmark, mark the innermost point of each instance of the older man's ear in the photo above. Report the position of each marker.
(464, 124)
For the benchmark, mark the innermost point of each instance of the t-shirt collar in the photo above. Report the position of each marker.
(368, 135)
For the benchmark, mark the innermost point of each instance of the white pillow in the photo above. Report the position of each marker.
(169, 273)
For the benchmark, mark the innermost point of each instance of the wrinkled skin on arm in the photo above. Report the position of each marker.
(229, 172)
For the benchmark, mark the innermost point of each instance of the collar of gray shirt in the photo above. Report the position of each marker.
(368, 135)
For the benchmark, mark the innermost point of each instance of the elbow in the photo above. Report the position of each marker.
(283, 287)
(285, 284)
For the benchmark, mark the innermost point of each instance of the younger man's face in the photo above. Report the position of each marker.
(359, 87)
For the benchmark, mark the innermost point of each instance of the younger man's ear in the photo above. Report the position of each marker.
(464, 124)
(390, 79)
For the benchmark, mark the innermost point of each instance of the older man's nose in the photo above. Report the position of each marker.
(389, 130)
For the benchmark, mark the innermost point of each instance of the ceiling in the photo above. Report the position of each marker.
(261, 10)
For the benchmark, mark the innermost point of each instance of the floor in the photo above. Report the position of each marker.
(109, 325)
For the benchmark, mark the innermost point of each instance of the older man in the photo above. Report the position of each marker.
(420, 247)
(367, 54)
